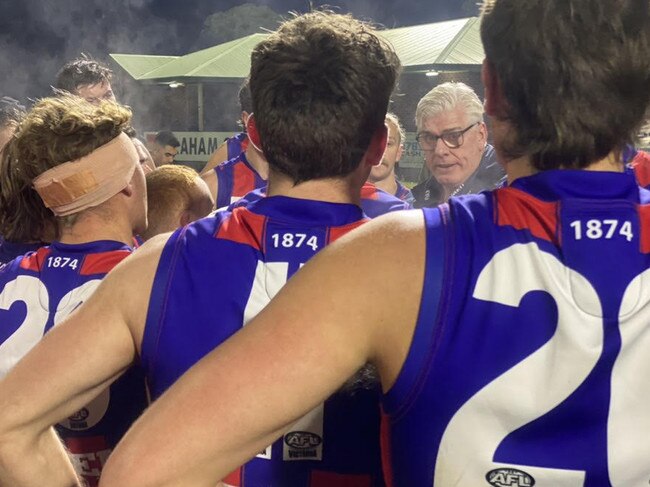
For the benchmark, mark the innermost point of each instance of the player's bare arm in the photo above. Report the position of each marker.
(101, 339)
(218, 156)
(210, 178)
(315, 323)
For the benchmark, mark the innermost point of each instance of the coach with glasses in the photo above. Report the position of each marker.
(453, 138)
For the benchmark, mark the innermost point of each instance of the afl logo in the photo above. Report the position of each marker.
(302, 439)
(80, 415)
(509, 477)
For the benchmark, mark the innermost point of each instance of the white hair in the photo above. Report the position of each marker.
(448, 96)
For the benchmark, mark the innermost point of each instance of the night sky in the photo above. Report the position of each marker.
(38, 36)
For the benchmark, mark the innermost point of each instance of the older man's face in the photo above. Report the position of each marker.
(452, 167)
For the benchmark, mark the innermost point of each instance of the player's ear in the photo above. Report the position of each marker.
(495, 103)
(128, 189)
(375, 151)
(185, 218)
(253, 134)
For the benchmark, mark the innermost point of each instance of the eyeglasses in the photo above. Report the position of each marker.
(453, 140)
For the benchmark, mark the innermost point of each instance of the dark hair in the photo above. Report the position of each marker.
(55, 130)
(11, 111)
(245, 100)
(82, 71)
(575, 74)
(320, 86)
(166, 137)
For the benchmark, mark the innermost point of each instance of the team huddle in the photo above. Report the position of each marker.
(495, 337)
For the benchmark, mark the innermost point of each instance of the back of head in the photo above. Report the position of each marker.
(320, 86)
(448, 96)
(56, 130)
(171, 191)
(81, 71)
(245, 100)
(575, 75)
(11, 113)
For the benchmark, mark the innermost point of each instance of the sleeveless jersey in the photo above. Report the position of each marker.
(236, 144)
(529, 361)
(217, 274)
(404, 194)
(235, 178)
(375, 201)
(41, 289)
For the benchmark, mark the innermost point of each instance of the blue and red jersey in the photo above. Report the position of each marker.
(235, 178)
(404, 194)
(236, 144)
(529, 362)
(38, 291)
(375, 201)
(217, 274)
(640, 165)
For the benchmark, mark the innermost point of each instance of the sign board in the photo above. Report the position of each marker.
(197, 147)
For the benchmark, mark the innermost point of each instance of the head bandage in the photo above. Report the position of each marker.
(77, 185)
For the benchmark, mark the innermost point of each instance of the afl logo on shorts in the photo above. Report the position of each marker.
(509, 477)
(80, 415)
(302, 440)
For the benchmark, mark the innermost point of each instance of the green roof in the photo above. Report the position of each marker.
(441, 45)
(140, 65)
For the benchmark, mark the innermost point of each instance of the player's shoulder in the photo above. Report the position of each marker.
(391, 232)
(229, 164)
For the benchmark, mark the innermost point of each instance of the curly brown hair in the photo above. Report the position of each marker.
(56, 130)
(320, 87)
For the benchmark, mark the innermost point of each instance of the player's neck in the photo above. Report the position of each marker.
(90, 228)
(331, 190)
(257, 162)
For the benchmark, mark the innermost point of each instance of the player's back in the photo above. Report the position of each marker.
(38, 291)
(529, 359)
(217, 274)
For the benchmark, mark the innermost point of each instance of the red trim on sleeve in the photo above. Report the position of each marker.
(644, 223)
(337, 232)
(243, 226)
(35, 261)
(641, 166)
(102, 262)
(524, 212)
(233, 478)
(369, 191)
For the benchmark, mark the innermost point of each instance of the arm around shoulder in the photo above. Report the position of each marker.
(339, 312)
